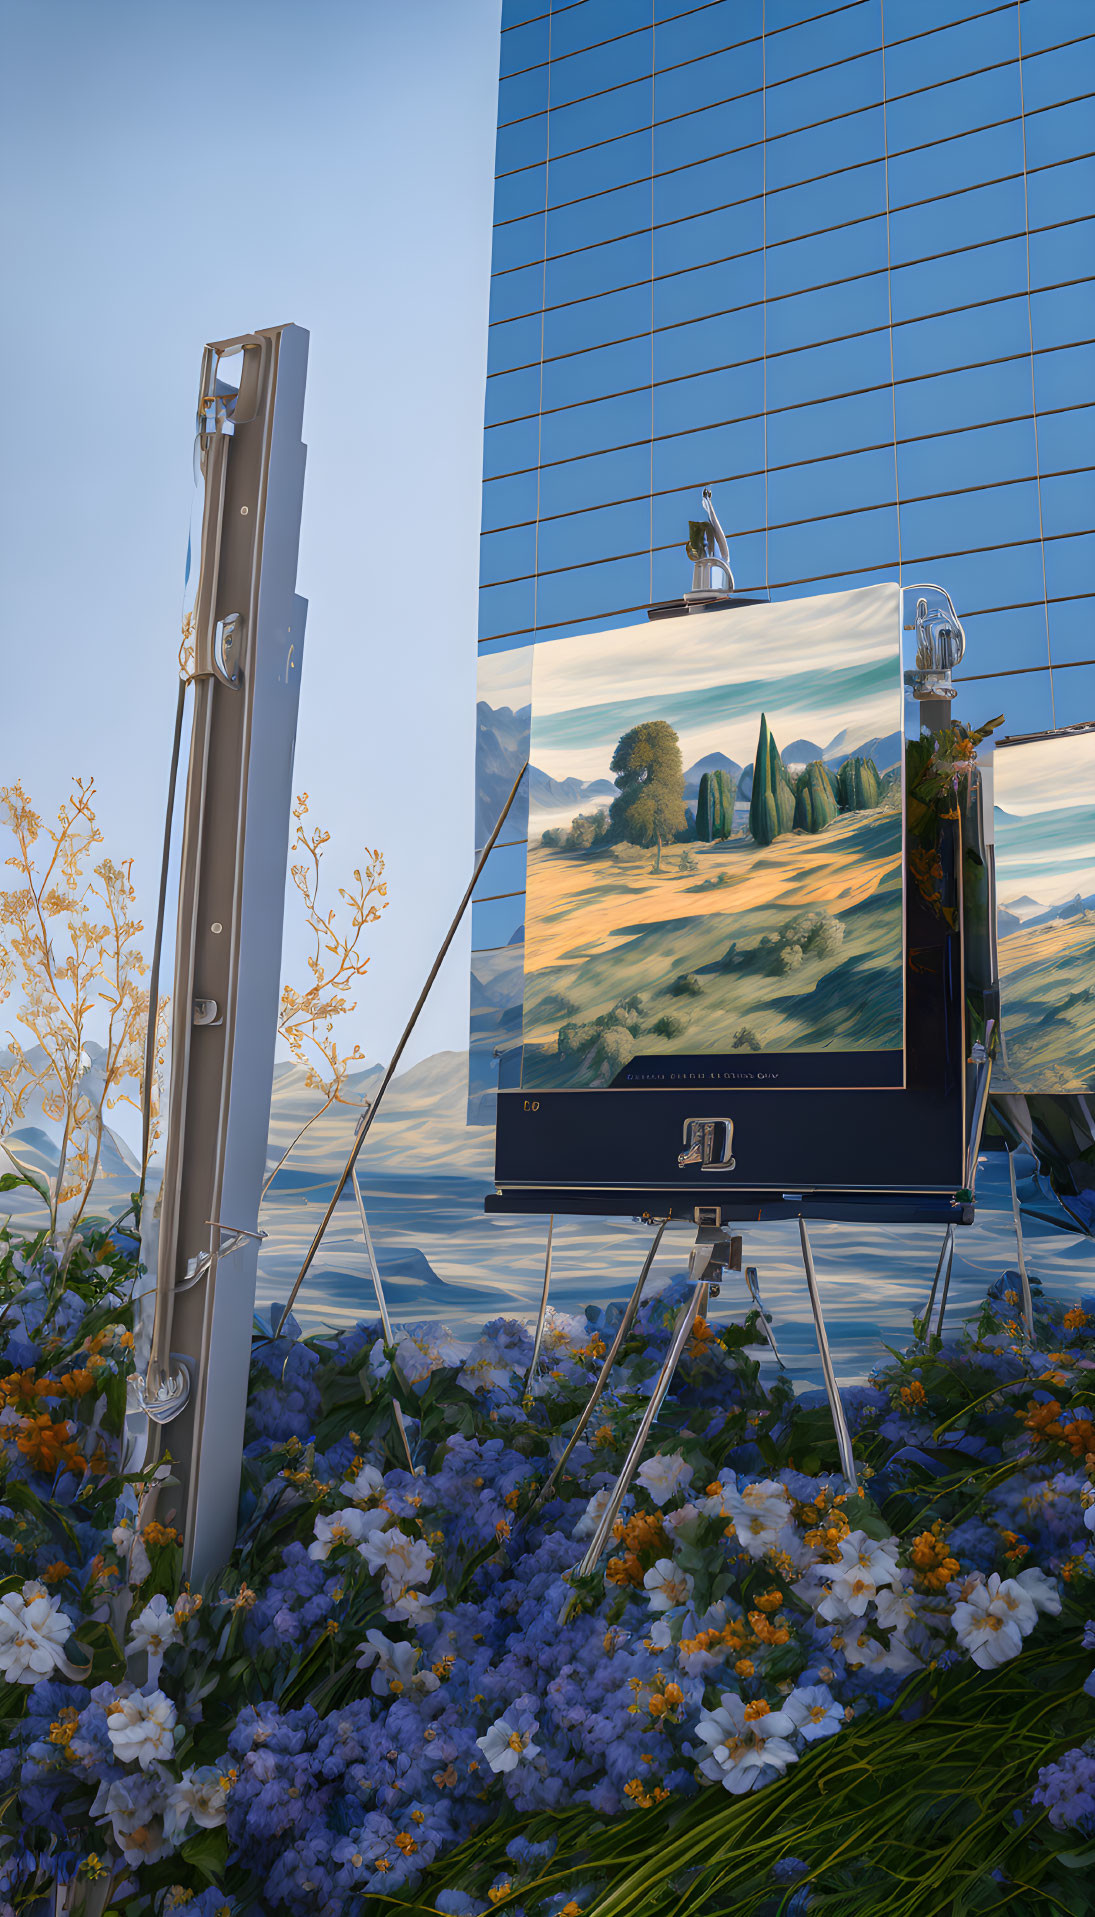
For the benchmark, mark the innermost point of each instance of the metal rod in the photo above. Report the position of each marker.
(980, 1105)
(843, 1436)
(539, 1338)
(947, 1237)
(753, 1283)
(157, 950)
(689, 1312)
(382, 1307)
(615, 1348)
(1024, 1279)
(399, 1050)
(946, 1289)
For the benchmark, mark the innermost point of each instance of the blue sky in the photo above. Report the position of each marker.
(183, 171)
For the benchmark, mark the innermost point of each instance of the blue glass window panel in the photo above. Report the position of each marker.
(1023, 698)
(728, 448)
(522, 94)
(515, 12)
(993, 331)
(727, 393)
(1070, 564)
(495, 921)
(963, 48)
(831, 486)
(857, 306)
(907, 18)
(1056, 192)
(1065, 438)
(576, 539)
(820, 585)
(963, 103)
(509, 502)
(722, 181)
(513, 295)
(1063, 253)
(574, 29)
(738, 502)
(1045, 26)
(511, 448)
(1004, 642)
(524, 46)
(611, 163)
(835, 36)
(682, 35)
(608, 369)
(931, 465)
(518, 242)
(575, 325)
(623, 473)
(828, 256)
(1072, 631)
(1059, 133)
(520, 193)
(940, 166)
(991, 516)
(1006, 576)
(973, 397)
(706, 290)
(629, 56)
(957, 220)
(970, 278)
(859, 192)
(512, 395)
(1065, 376)
(520, 145)
(833, 426)
(844, 544)
(582, 275)
(839, 88)
(604, 622)
(708, 131)
(595, 427)
(604, 216)
(705, 81)
(730, 234)
(590, 592)
(1068, 503)
(505, 608)
(723, 339)
(507, 555)
(504, 872)
(821, 371)
(513, 343)
(1074, 693)
(1063, 315)
(855, 137)
(605, 117)
(1051, 77)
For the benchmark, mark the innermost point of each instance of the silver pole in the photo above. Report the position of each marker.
(1028, 1303)
(843, 1436)
(948, 1238)
(946, 1287)
(753, 1283)
(382, 1307)
(539, 1338)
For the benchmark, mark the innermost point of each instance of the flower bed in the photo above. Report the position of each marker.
(777, 1691)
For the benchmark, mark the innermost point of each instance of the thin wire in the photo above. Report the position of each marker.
(889, 281)
(653, 83)
(764, 265)
(157, 947)
(1033, 383)
(543, 313)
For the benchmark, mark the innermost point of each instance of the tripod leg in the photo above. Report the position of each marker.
(1024, 1279)
(843, 1435)
(765, 1317)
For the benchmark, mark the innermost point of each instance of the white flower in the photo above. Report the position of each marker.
(404, 1605)
(130, 1547)
(895, 1608)
(738, 1748)
(667, 1586)
(1012, 1599)
(988, 1629)
(684, 1522)
(199, 1797)
(593, 1513)
(486, 1368)
(140, 1727)
(401, 1559)
(348, 1526)
(508, 1743)
(136, 1807)
(759, 1514)
(426, 1348)
(861, 1649)
(562, 1330)
(1043, 1591)
(368, 1484)
(155, 1628)
(865, 1565)
(664, 1477)
(395, 1666)
(33, 1634)
(814, 1711)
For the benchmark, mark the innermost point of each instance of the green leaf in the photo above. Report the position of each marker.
(207, 1851)
(9, 1180)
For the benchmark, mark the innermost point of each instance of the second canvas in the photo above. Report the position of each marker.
(715, 849)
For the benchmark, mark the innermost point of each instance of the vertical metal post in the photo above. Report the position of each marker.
(1024, 1278)
(843, 1435)
(246, 628)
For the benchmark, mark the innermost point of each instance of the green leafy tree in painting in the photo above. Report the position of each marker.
(650, 774)
(715, 806)
(815, 800)
(858, 786)
(772, 805)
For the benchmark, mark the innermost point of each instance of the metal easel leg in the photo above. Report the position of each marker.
(843, 1435)
(765, 1316)
(539, 1338)
(382, 1307)
(946, 1286)
(1024, 1279)
(944, 1249)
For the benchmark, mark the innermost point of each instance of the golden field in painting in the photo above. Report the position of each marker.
(1047, 982)
(783, 948)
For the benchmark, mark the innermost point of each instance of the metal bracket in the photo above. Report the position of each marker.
(205, 1012)
(708, 1143)
(198, 1267)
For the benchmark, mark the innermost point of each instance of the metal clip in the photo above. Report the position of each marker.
(708, 1143)
(198, 1267)
(169, 1395)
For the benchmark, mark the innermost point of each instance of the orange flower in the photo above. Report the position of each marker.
(1074, 1317)
(56, 1572)
(41, 1441)
(75, 1384)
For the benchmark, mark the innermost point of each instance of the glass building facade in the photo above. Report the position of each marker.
(837, 263)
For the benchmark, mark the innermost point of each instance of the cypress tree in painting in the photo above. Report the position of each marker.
(858, 786)
(772, 806)
(815, 800)
(715, 806)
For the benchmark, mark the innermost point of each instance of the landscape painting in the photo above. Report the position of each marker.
(715, 845)
(1044, 803)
